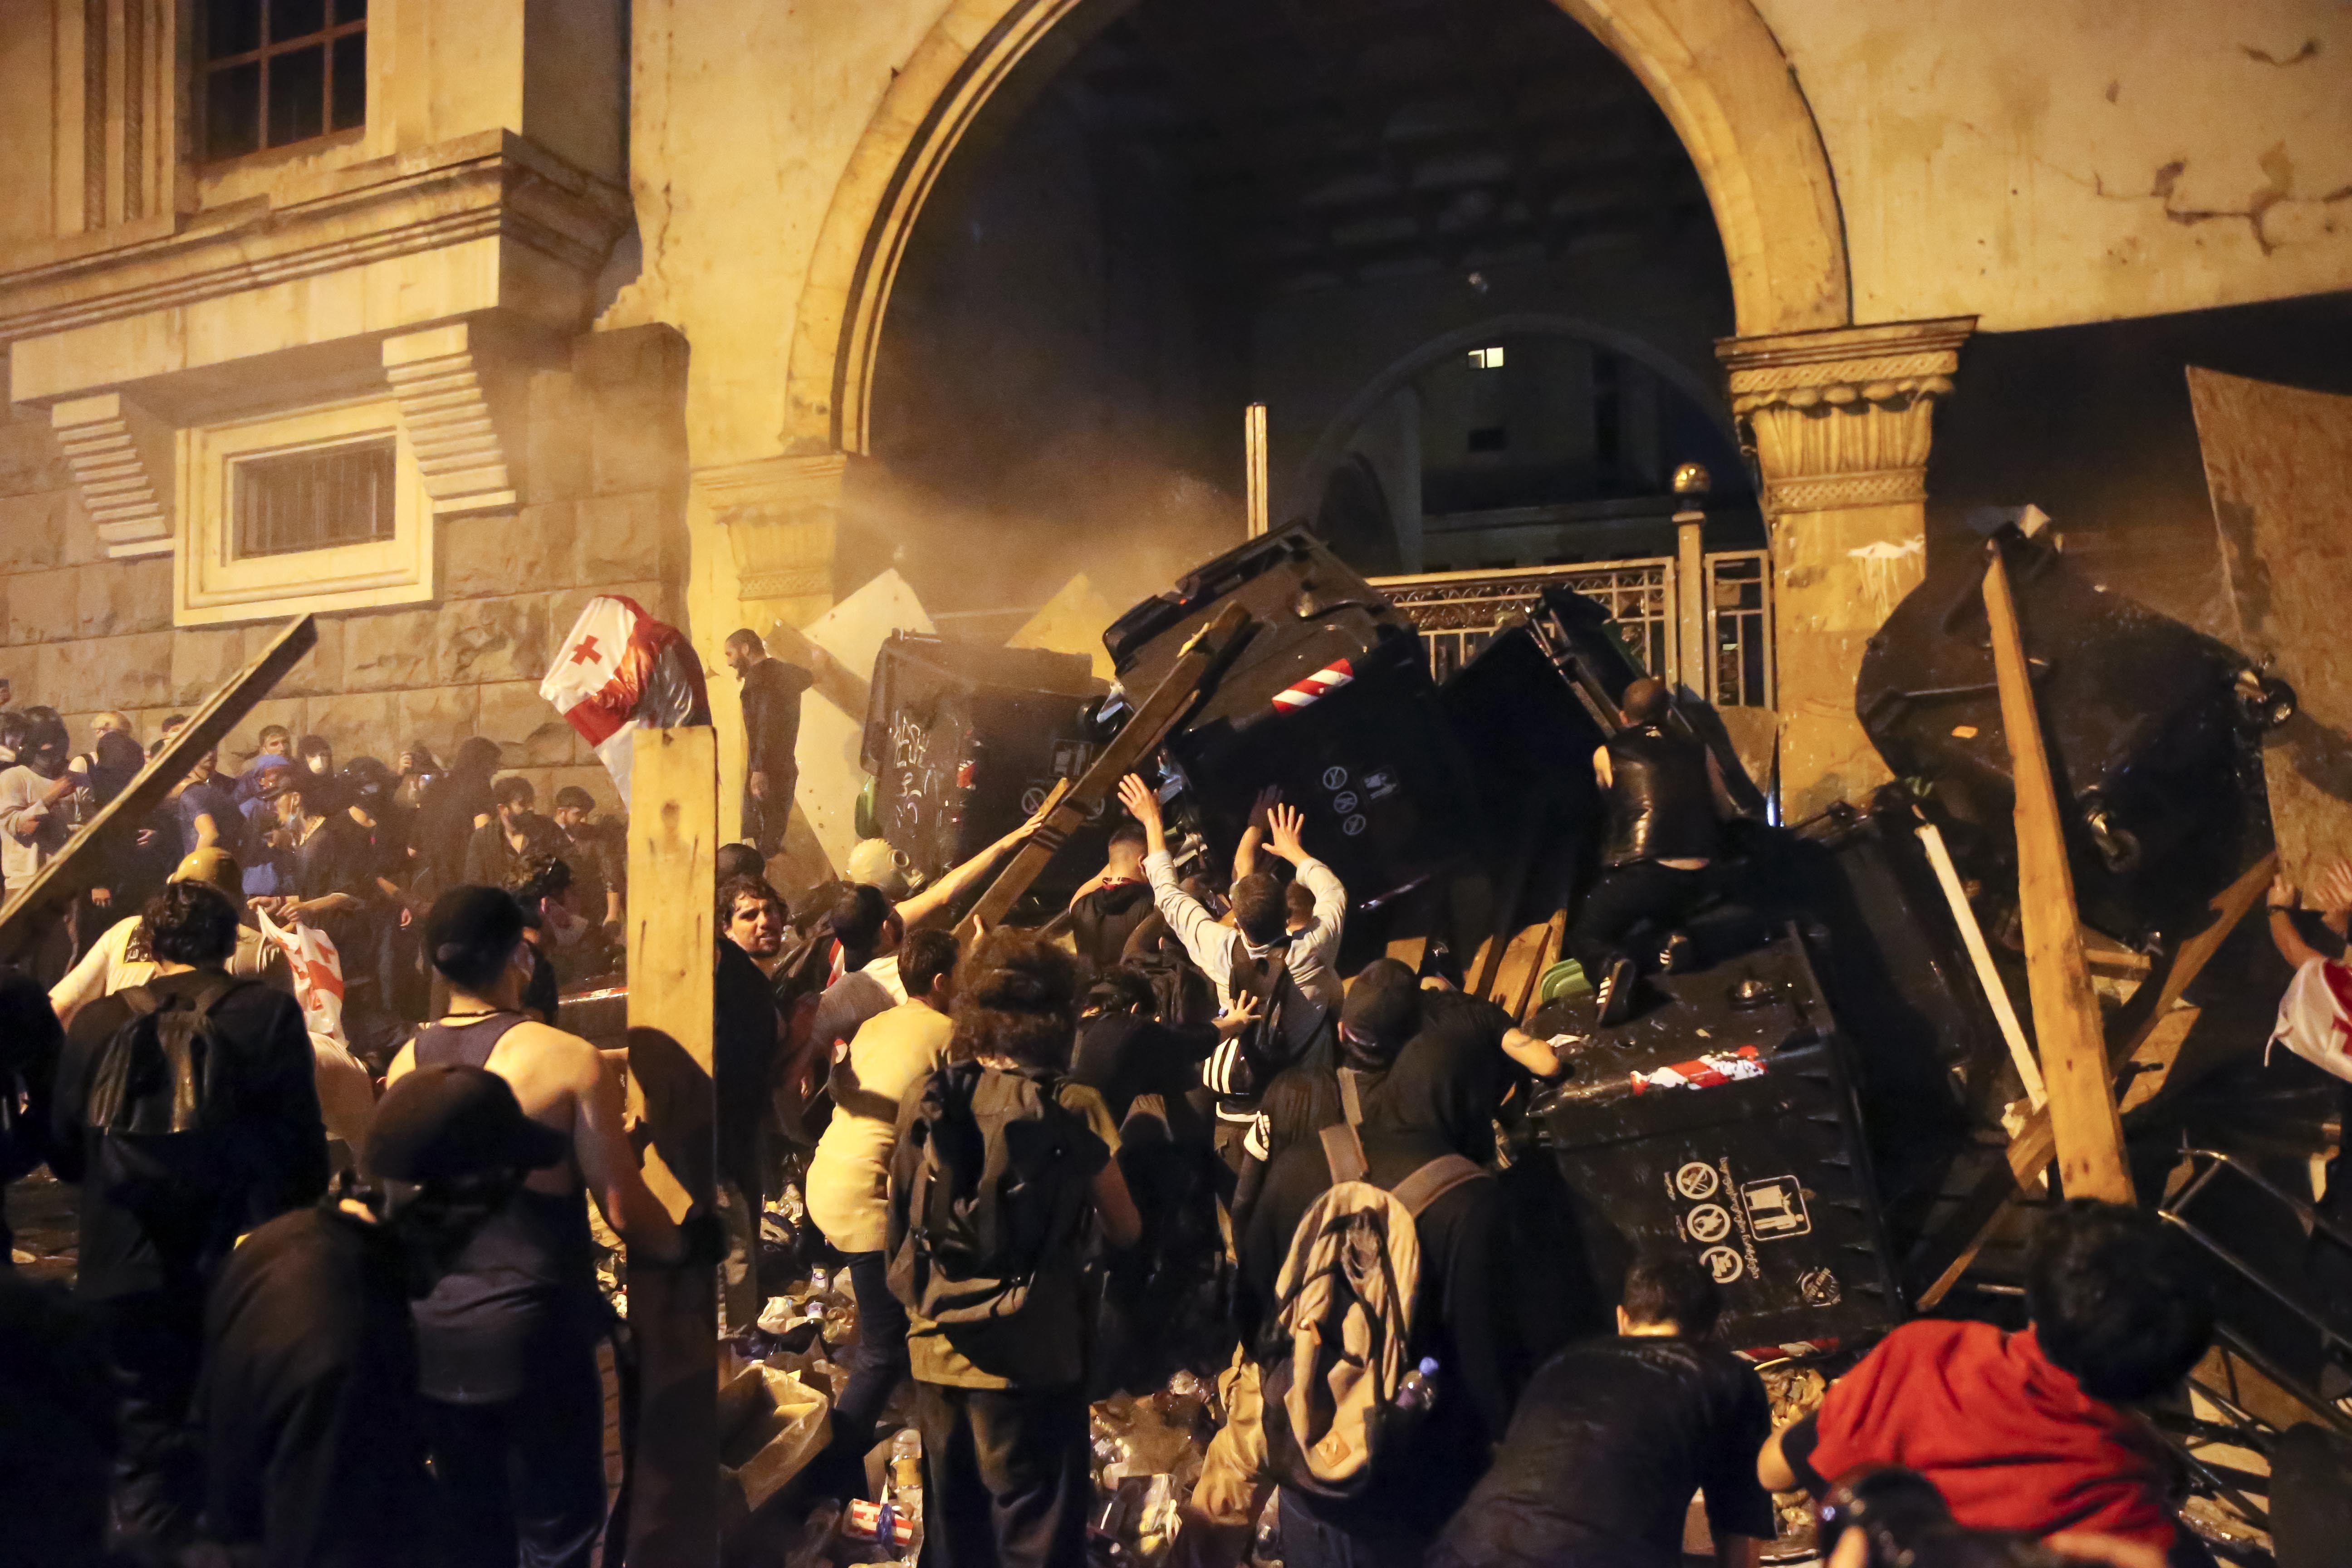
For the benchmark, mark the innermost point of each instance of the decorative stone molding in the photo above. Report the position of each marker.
(458, 394)
(1843, 418)
(488, 222)
(778, 515)
(120, 456)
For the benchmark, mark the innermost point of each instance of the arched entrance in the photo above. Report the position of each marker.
(1712, 65)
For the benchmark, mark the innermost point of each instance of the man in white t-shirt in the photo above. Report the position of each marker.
(118, 959)
(849, 1177)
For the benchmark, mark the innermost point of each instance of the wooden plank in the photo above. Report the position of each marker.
(1528, 996)
(2278, 465)
(1508, 898)
(1517, 974)
(1253, 462)
(672, 1313)
(75, 869)
(1996, 991)
(1141, 736)
(2088, 1132)
(1964, 1233)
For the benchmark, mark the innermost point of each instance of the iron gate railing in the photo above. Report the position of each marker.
(1457, 612)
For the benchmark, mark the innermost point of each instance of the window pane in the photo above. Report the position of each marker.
(351, 10)
(312, 500)
(351, 82)
(291, 19)
(232, 111)
(232, 27)
(297, 95)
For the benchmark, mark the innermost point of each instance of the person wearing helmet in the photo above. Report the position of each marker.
(121, 959)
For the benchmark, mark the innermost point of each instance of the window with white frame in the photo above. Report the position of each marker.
(1486, 358)
(321, 510)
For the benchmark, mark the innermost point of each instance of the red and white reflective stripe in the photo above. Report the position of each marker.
(1328, 679)
(1791, 1350)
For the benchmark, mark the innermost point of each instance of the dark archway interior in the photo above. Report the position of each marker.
(1191, 204)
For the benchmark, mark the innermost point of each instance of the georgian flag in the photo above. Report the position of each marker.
(2315, 1017)
(318, 972)
(619, 671)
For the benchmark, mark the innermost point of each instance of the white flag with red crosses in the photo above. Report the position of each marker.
(621, 670)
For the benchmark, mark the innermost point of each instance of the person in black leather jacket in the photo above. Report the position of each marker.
(1667, 802)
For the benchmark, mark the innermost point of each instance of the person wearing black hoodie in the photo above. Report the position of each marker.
(1107, 911)
(1461, 1317)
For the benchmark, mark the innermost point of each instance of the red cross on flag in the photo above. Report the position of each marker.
(620, 671)
(2315, 1017)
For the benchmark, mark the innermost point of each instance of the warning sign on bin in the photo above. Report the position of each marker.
(1776, 1209)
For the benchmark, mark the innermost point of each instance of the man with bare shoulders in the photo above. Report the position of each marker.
(505, 1341)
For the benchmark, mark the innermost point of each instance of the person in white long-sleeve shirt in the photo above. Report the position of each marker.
(1244, 1062)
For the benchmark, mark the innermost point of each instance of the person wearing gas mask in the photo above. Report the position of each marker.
(314, 1430)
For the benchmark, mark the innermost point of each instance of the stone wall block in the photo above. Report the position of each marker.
(530, 732)
(488, 557)
(33, 529)
(318, 673)
(495, 639)
(81, 543)
(556, 439)
(622, 538)
(359, 723)
(20, 668)
(635, 380)
(440, 717)
(201, 663)
(103, 672)
(44, 606)
(30, 458)
(592, 777)
(244, 742)
(390, 651)
(115, 597)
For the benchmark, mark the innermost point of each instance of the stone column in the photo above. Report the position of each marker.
(1840, 421)
(778, 516)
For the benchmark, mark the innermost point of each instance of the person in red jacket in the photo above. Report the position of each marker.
(2031, 1432)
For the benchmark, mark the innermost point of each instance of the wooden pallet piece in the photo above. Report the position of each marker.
(2086, 1129)
(1965, 1230)
(75, 869)
(1168, 702)
(673, 1312)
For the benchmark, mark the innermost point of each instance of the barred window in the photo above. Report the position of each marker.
(276, 72)
(313, 500)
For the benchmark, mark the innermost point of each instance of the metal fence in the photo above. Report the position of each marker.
(1457, 612)
(1739, 628)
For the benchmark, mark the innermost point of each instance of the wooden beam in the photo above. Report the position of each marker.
(75, 869)
(1254, 467)
(1167, 703)
(1964, 1233)
(2088, 1131)
(673, 1312)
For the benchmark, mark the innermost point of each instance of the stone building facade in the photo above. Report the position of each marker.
(614, 276)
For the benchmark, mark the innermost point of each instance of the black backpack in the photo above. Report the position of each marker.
(162, 1108)
(985, 1192)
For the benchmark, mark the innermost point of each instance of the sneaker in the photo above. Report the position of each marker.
(1615, 997)
(1676, 954)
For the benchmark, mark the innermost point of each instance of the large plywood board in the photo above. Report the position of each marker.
(1072, 621)
(2278, 463)
(831, 776)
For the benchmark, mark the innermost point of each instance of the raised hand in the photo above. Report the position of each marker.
(1284, 824)
(1143, 805)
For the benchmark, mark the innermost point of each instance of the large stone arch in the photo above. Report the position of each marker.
(1713, 65)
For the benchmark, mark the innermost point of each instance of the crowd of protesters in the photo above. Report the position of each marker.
(1162, 1133)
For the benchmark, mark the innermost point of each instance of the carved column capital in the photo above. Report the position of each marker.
(778, 514)
(1841, 418)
